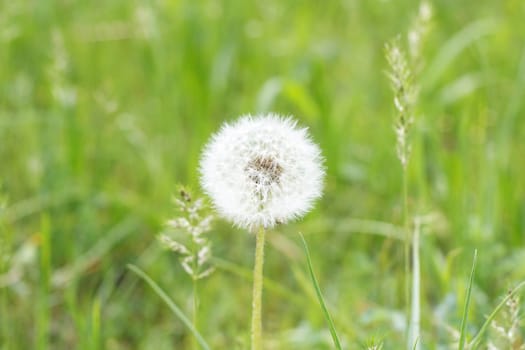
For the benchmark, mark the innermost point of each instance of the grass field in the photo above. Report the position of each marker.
(104, 110)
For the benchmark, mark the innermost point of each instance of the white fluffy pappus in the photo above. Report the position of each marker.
(262, 170)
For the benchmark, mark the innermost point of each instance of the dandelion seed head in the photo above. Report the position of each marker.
(262, 170)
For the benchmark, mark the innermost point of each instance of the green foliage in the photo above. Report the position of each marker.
(463, 327)
(105, 107)
(171, 305)
(319, 294)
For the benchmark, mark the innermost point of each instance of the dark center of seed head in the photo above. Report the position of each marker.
(264, 170)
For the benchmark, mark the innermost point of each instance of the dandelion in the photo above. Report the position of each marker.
(259, 172)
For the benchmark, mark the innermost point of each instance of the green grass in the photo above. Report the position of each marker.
(322, 303)
(105, 107)
(462, 329)
(174, 308)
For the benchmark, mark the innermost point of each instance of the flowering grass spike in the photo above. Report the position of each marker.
(184, 235)
(262, 170)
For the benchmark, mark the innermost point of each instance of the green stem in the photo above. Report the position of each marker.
(415, 317)
(3, 322)
(406, 245)
(195, 312)
(256, 331)
(195, 301)
(95, 325)
(463, 327)
(42, 302)
(4, 249)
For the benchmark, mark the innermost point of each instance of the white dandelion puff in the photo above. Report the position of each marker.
(262, 170)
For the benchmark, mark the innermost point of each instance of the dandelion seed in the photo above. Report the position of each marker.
(261, 171)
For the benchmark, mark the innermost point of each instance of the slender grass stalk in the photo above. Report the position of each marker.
(406, 244)
(401, 79)
(4, 266)
(195, 311)
(173, 307)
(414, 333)
(327, 316)
(256, 330)
(95, 325)
(195, 300)
(183, 235)
(474, 343)
(4, 325)
(463, 332)
(43, 311)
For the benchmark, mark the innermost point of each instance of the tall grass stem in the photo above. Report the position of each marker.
(463, 327)
(4, 303)
(414, 332)
(95, 325)
(195, 311)
(43, 319)
(256, 329)
(406, 244)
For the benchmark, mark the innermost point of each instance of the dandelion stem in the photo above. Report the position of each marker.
(256, 331)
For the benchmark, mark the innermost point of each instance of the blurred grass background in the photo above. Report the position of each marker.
(105, 107)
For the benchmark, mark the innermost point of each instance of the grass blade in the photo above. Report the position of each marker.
(463, 336)
(178, 312)
(95, 325)
(455, 46)
(333, 332)
(475, 341)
